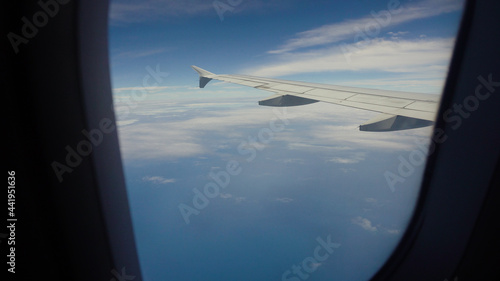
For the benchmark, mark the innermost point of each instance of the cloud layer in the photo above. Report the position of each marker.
(157, 179)
(356, 29)
(171, 130)
(428, 55)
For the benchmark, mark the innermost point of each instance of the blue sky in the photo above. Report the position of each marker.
(313, 176)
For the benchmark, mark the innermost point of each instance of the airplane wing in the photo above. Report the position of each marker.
(399, 110)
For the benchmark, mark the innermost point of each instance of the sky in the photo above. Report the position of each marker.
(221, 188)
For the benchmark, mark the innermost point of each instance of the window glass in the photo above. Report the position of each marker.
(221, 188)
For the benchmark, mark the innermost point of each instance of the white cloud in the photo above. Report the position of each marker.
(170, 130)
(367, 225)
(138, 53)
(284, 200)
(393, 231)
(374, 202)
(397, 35)
(169, 135)
(371, 200)
(353, 159)
(149, 89)
(226, 195)
(158, 140)
(237, 200)
(348, 29)
(426, 55)
(364, 223)
(343, 160)
(126, 122)
(158, 179)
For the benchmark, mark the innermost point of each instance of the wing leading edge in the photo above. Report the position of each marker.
(399, 110)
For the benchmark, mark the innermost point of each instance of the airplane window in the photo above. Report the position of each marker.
(318, 182)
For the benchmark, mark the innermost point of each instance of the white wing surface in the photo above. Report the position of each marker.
(399, 110)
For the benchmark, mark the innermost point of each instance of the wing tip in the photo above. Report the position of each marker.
(205, 76)
(202, 72)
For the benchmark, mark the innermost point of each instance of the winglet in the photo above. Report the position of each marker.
(205, 76)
